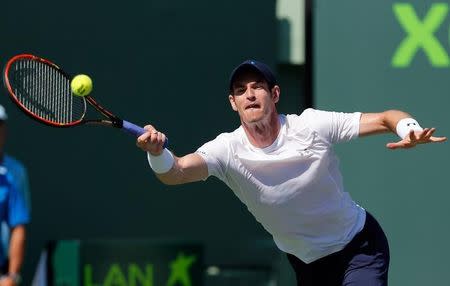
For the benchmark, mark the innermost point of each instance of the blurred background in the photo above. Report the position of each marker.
(96, 206)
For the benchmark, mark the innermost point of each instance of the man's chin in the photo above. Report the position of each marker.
(253, 119)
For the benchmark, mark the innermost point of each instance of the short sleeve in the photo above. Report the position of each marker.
(18, 212)
(18, 200)
(335, 127)
(215, 153)
(22, 185)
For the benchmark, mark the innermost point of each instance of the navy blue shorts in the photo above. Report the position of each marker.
(363, 262)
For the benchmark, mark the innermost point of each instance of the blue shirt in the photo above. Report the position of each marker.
(14, 198)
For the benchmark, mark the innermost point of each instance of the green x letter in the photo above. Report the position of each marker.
(420, 35)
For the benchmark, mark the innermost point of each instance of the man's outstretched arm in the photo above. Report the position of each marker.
(168, 168)
(400, 123)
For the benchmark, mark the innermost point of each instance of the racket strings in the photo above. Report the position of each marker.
(45, 91)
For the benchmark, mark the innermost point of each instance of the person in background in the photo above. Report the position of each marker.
(14, 211)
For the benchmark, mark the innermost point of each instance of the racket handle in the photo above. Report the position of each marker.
(137, 131)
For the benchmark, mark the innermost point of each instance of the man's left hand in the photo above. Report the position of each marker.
(417, 137)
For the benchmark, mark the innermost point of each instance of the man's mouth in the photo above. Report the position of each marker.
(251, 106)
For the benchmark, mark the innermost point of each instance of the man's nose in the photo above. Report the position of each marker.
(250, 93)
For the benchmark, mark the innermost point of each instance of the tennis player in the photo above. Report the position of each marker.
(283, 168)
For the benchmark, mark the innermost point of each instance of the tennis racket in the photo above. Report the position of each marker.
(42, 90)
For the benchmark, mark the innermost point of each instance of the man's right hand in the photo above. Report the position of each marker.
(151, 141)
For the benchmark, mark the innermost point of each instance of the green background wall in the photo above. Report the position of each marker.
(160, 62)
(407, 190)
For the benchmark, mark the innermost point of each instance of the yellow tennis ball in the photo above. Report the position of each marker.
(81, 85)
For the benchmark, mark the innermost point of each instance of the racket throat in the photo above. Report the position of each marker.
(113, 120)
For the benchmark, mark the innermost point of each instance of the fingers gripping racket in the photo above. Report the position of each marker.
(42, 90)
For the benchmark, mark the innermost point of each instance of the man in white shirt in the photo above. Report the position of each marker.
(284, 169)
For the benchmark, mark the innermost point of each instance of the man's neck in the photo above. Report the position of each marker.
(262, 134)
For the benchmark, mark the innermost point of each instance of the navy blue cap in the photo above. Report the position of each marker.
(259, 67)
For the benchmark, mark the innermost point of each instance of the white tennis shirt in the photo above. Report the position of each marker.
(293, 187)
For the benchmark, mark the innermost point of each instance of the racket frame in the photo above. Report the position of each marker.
(111, 120)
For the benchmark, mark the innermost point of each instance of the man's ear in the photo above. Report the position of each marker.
(276, 93)
(233, 104)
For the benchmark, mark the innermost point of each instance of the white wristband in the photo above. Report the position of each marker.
(405, 125)
(161, 163)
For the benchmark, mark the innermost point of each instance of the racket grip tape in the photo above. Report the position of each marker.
(137, 131)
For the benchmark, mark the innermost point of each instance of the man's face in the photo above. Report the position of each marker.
(252, 99)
